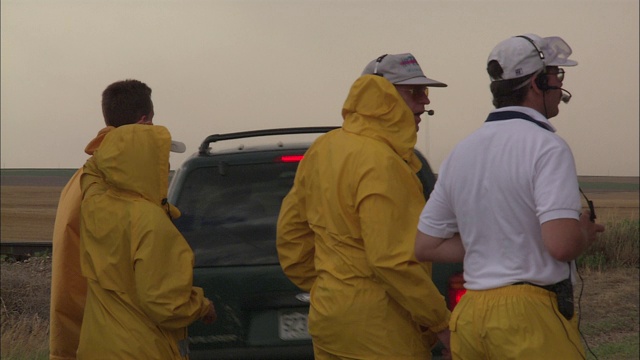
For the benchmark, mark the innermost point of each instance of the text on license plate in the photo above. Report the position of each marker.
(293, 326)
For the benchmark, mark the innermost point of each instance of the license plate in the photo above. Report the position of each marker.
(293, 326)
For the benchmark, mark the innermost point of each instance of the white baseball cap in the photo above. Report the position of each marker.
(178, 146)
(400, 69)
(527, 54)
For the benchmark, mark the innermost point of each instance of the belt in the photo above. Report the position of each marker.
(546, 287)
(564, 295)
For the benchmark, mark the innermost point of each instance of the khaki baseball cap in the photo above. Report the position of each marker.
(400, 69)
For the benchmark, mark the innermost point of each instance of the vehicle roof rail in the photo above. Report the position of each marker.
(204, 147)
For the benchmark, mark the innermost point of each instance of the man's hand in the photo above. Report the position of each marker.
(444, 336)
(211, 315)
(589, 228)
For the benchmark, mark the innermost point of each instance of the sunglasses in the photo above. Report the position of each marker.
(416, 91)
(559, 74)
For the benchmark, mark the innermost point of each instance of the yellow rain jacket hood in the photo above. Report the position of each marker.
(138, 266)
(347, 229)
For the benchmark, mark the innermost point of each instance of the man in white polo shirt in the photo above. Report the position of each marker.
(507, 203)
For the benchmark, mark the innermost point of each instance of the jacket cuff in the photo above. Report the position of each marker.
(204, 310)
(441, 326)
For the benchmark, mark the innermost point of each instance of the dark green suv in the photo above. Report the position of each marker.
(230, 199)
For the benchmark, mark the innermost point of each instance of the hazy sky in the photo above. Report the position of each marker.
(223, 66)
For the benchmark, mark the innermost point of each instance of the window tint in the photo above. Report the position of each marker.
(426, 176)
(230, 212)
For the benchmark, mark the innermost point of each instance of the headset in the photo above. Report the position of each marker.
(541, 80)
(375, 72)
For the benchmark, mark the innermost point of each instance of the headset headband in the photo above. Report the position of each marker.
(540, 53)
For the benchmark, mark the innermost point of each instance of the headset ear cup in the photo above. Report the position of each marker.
(541, 82)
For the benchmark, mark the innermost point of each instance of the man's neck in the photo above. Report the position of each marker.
(535, 101)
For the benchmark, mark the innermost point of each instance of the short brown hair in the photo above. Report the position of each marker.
(504, 91)
(125, 102)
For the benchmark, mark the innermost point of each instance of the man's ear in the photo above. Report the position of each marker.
(534, 96)
(534, 83)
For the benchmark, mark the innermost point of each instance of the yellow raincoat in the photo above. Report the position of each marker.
(346, 233)
(68, 286)
(139, 267)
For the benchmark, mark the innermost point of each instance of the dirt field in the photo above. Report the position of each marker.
(28, 212)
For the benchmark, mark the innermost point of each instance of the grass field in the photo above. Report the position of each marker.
(609, 301)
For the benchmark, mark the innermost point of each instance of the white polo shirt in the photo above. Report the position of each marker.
(496, 188)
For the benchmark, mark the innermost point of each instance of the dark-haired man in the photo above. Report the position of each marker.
(507, 202)
(123, 102)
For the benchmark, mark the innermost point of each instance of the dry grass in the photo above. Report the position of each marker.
(24, 317)
(609, 310)
(618, 246)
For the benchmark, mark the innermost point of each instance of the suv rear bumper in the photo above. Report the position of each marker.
(298, 352)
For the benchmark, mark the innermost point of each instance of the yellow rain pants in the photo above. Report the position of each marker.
(513, 322)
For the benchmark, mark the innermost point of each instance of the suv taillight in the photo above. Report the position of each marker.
(456, 289)
(290, 158)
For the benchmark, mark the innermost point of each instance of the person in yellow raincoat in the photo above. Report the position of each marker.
(123, 102)
(346, 229)
(139, 268)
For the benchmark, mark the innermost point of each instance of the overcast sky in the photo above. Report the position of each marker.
(223, 66)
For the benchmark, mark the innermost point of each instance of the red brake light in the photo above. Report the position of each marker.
(456, 290)
(290, 158)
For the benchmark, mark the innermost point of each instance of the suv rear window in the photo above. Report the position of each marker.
(230, 212)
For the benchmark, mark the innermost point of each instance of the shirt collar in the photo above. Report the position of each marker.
(529, 111)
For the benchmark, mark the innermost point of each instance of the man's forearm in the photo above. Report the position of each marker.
(429, 248)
